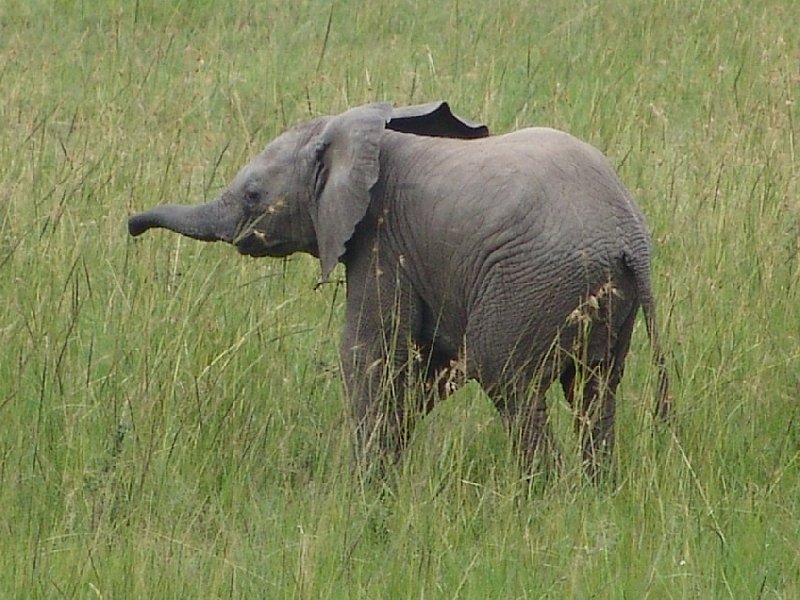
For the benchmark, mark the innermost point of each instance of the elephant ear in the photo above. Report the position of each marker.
(436, 120)
(347, 158)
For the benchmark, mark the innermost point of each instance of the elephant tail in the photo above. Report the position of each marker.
(640, 267)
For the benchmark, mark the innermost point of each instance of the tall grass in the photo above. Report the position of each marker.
(171, 419)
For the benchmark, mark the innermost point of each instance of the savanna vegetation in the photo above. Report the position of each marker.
(172, 424)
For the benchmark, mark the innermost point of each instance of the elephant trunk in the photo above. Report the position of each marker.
(210, 222)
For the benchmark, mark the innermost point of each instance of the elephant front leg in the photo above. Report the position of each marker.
(378, 362)
(378, 388)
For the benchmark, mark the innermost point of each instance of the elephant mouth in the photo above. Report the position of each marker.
(255, 244)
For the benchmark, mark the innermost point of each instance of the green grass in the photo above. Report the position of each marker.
(171, 421)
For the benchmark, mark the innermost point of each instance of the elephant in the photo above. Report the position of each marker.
(520, 259)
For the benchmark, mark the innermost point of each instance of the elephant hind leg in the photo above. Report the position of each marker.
(522, 405)
(532, 436)
(515, 366)
(591, 387)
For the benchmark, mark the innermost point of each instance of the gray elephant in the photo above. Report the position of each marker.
(521, 257)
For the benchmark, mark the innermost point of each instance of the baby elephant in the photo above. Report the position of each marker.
(520, 257)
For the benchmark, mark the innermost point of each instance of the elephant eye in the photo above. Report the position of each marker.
(252, 196)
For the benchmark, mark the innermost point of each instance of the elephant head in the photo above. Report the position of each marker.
(309, 188)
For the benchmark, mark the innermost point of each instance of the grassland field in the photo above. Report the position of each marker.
(172, 423)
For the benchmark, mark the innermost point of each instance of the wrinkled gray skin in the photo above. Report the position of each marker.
(521, 257)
